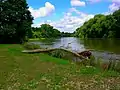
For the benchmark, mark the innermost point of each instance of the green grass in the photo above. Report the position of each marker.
(19, 71)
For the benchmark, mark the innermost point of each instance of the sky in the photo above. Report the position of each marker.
(68, 15)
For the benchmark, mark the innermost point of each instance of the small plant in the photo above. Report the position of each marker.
(92, 61)
(117, 66)
(31, 46)
(57, 54)
(89, 62)
(104, 66)
(99, 62)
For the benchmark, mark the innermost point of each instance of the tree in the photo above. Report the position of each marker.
(15, 21)
(45, 31)
(116, 15)
(101, 26)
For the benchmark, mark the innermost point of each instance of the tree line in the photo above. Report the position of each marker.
(47, 31)
(101, 26)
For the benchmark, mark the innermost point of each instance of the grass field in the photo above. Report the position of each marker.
(19, 71)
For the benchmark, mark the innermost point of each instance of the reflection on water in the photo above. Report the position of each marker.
(109, 45)
(103, 47)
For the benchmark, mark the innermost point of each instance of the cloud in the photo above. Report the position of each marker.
(42, 11)
(116, 1)
(77, 3)
(93, 1)
(77, 12)
(69, 23)
(114, 6)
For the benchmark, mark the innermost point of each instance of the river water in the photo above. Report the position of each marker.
(107, 49)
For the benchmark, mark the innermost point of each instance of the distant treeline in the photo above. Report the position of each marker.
(66, 34)
(101, 26)
(47, 31)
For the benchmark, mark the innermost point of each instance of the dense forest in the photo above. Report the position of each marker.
(101, 26)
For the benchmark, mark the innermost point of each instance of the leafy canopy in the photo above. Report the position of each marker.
(101, 26)
(15, 21)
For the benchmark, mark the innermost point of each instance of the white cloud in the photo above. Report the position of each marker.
(69, 23)
(42, 11)
(114, 6)
(77, 3)
(116, 1)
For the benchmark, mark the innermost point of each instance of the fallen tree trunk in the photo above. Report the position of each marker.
(49, 50)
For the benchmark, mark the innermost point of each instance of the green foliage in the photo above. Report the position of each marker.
(15, 21)
(66, 34)
(110, 73)
(31, 46)
(111, 65)
(37, 34)
(89, 62)
(89, 70)
(57, 53)
(101, 26)
(48, 31)
(99, 63)
(117, 66)
(45, 31)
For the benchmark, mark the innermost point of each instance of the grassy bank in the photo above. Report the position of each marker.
(19, 71)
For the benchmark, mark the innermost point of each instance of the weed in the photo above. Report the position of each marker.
(31, 46)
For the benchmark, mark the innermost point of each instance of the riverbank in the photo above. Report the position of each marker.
(42, 72)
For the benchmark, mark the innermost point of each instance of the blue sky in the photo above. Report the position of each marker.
(67, 15)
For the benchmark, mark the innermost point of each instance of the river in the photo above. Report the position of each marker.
(101, 48)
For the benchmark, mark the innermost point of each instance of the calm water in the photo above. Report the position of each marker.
(102, 48)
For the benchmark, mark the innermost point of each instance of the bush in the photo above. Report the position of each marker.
(57, 54)
(89, 62)
(117, 67)
(31, 46)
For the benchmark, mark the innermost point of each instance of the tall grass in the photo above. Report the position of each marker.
(111, 65)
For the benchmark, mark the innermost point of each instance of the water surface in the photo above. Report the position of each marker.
(102, 48)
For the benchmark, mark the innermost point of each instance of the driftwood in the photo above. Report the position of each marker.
(49, 50)
(85, 54)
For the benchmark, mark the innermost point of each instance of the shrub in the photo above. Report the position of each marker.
(89, 62)
(57, 54)
(31, 46)
(117, 67)
(99, 62)
(92, 61)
